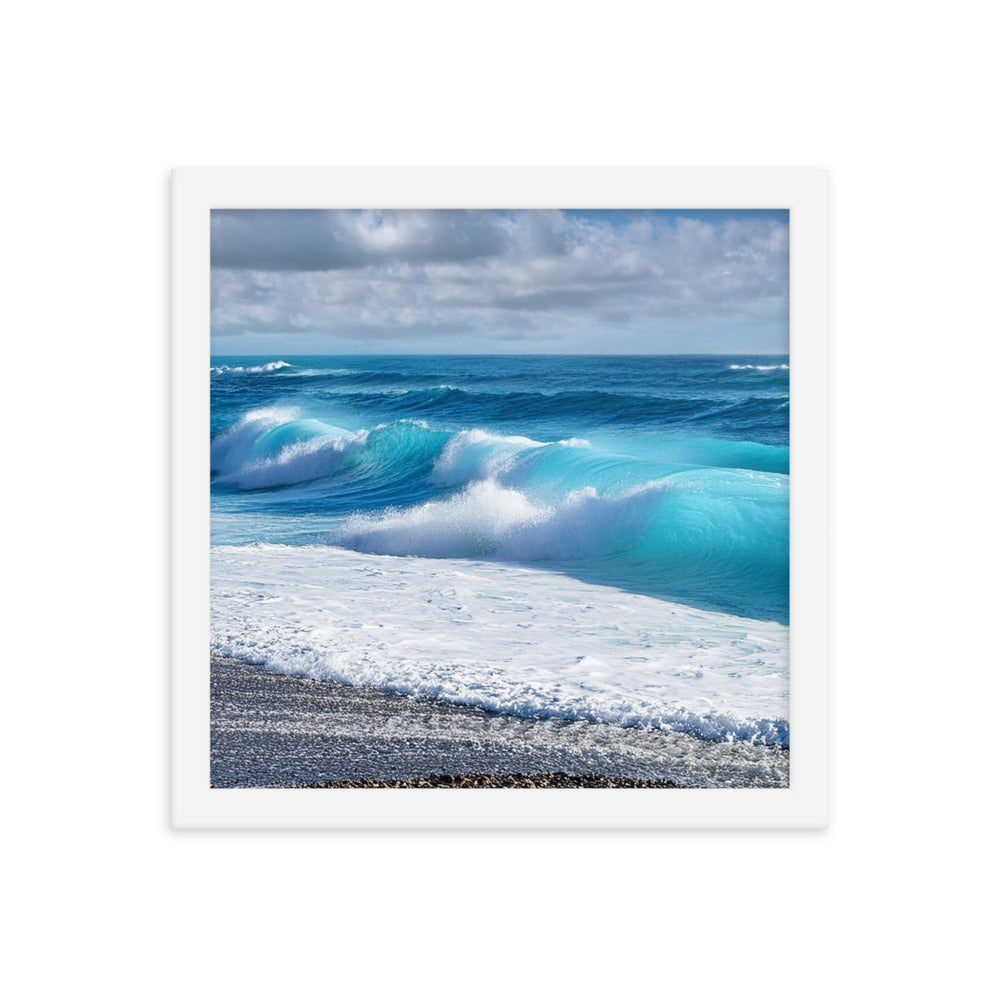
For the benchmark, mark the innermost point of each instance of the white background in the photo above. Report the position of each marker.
(898, 100)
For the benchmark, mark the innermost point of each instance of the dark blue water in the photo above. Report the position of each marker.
(663, 475)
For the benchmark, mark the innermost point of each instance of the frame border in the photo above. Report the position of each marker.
(803, 805)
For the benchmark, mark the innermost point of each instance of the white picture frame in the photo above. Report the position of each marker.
(803, 804)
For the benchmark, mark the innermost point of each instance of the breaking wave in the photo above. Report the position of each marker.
(405, 488)
(271, 366)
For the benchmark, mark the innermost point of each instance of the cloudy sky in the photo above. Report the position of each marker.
(495, 282)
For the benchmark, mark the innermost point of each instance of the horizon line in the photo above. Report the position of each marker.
(511, 354)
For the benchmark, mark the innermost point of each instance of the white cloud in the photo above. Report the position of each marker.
(492, 275)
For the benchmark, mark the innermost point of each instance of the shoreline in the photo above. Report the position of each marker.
(524, 640)
(272, 730)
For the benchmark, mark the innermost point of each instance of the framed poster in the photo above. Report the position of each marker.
(499, 499)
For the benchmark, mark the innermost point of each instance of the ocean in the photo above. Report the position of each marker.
(580, 537)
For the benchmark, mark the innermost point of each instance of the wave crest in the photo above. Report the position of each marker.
(273, 447)
(493, 521)
(475, 454)
(271, 366)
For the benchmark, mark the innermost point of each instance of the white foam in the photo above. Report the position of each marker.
(271, 366)
(477, 454)
(300, 462)
(507, 638)
(759, 368)
(489, 520)
(320, 450)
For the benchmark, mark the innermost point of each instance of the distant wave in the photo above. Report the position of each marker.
(758, 368)
(611, 408)
(271, 366)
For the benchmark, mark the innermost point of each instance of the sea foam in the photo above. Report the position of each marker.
(507, 638)
(271, 366)
(489, 520)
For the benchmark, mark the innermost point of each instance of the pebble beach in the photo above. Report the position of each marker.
(274, 730)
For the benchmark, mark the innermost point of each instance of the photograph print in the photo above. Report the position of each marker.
(499, 498)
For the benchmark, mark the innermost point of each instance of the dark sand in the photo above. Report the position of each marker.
(271, 730)
(558, 779)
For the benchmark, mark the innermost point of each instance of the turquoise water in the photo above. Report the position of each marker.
(665, 476)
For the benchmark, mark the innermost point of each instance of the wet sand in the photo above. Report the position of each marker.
(272, 730)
